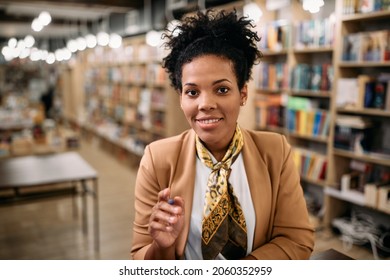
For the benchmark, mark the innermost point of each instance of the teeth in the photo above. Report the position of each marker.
(209, 121)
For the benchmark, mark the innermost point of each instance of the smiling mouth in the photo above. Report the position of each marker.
(209, 121)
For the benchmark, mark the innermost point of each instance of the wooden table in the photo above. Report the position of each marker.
(49, 170)
(330, 254)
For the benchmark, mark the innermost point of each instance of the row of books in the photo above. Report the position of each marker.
(275, 36)
(315, 33)
(305, 117)
(364, 6)
(312, 77)
(152, 73)
(272, 76)
(276, 76)
(308, 123)
(364, 91)
(370, 182)
(269, 111)
(366, 46)
(353, 133)
(310, 164)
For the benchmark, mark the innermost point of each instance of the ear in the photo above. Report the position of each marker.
(244, 95)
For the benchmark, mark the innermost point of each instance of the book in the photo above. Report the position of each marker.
(351, 50)
(347, 93)
(384, 199)
(362, 80)
(369, 94)
(379, 101)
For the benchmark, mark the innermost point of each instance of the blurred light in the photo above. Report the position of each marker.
(313, 6)
(103, 39)
(91, 41)
(153, 38)
(12, 42)
(21, 45)
(66, 53)
(50, 58)
(24, 53)
(72, 45)
(44, 54)
(35, 54)
(253, 11)
(81, 43)
(36, 25)
(115, 41)
(59, 55)
(29, 41)
(44, 18)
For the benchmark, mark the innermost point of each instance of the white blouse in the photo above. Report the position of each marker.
(238, 180)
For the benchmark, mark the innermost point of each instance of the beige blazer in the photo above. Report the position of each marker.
(282, 229)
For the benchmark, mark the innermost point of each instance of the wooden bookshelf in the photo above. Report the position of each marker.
(127, 99)
(338, 201)
(314, 53)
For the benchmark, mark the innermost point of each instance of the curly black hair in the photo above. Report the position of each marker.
(218, 33)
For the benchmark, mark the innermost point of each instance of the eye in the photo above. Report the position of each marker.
(223, 90)
(191, 92)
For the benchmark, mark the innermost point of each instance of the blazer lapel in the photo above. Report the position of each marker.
(260, 186)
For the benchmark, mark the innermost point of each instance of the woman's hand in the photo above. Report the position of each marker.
(167, 220)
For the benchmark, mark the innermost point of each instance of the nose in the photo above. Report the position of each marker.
(206, 101)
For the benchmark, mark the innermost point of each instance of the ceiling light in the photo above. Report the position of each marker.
(81, 43)
(29, 41)
(153, 38)
(12, 43)
(253, 11)
(45, 18)
(103, 39)
(36, 25)
(115, 41)
(91, 41)
(50, 58)
(72, 45)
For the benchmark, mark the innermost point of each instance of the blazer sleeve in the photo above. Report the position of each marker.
(146, 194)
(291, 233)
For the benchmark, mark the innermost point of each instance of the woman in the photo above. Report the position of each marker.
(218, 191)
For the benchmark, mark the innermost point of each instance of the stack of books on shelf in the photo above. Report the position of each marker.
(272, 76)
(310, 164)
(353, 133)
(364, 91)
(275, 36)
(367, 183)
(312, 77)
(304, 117)
(315, 33)
(270, 111)
(370, 46)
(364, 6)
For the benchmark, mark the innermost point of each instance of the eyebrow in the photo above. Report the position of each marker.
(214, 83)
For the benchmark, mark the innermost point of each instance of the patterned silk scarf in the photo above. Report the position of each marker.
(223, 226)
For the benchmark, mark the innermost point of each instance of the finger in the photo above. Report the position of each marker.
(179, 205)
(164, 194)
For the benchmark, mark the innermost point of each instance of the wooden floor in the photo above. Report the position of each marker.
(49, 229)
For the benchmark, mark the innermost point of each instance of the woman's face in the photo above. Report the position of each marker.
(211, 100)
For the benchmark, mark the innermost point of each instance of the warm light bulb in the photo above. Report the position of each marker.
(115, 41)
(45, 18)
(103, 39)
(29, 41)
(253, 11)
